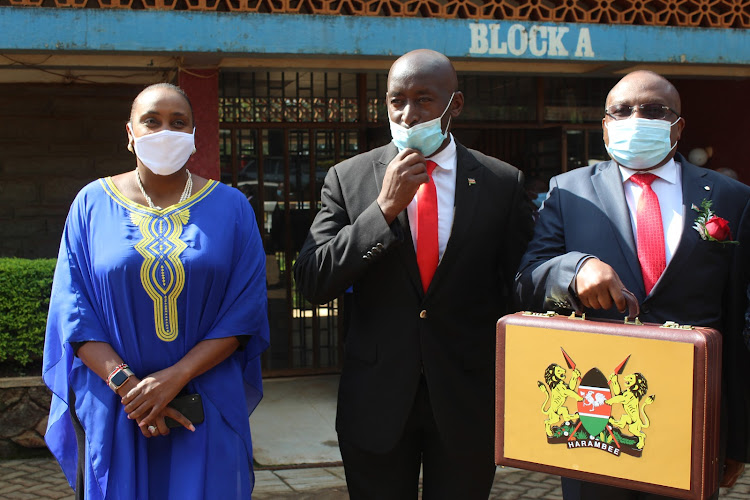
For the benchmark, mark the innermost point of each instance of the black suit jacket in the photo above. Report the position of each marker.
(397, 330)
(703, 285)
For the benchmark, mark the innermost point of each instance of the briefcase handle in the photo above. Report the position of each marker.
(634, 309)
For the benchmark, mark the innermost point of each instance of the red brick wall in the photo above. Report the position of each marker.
(202, 87)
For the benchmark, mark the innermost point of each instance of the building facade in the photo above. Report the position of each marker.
(285, 89)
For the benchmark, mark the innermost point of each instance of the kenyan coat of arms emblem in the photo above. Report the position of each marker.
(595, 424)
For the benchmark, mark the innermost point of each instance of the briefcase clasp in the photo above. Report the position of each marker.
(676, 326)
(548, 314)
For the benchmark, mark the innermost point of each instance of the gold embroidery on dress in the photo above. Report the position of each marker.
(162, 272)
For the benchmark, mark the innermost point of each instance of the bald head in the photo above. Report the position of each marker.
(422, 86)
(644, 86)
(422, 63)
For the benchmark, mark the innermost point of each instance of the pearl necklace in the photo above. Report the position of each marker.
(185, 192)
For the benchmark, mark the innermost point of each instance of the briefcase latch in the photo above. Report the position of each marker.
(633, 321)
(676, 326)
(548, 314)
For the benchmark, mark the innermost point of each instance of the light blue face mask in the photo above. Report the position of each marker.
(425, 137)
(639, 143)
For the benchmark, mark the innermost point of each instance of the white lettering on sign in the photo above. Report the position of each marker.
(518, 40)
(556, 47)
(583, 48)
(537, 33)
(496, 48)
(538, 41)
(479, 43)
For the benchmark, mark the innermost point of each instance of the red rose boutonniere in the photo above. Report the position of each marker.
(710, 226)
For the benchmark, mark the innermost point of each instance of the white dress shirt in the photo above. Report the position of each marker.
(668, 188)
(444, 177)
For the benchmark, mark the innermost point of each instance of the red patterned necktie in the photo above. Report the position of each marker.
(650, 231)
(427, 228)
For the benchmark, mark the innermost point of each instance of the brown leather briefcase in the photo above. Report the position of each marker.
(620, 403)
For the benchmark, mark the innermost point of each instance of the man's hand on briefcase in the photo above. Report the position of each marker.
(598, 286)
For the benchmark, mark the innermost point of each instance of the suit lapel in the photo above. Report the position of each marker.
(406, 250)
(464, 207)
(608, 185)
(694, 184)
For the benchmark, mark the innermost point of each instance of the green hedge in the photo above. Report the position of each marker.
(25, 286)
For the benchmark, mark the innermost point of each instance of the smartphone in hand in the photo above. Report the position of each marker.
(190, 405)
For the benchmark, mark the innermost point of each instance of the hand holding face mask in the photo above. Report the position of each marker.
(425, 137)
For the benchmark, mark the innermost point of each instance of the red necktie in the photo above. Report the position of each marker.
(650, 231)
(427, 228)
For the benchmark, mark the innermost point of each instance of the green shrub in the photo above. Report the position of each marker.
(25, 287)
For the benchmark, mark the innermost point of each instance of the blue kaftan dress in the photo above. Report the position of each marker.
(153, 284)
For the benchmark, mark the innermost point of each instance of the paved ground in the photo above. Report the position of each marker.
(294, 424)
(31, 479)
(40, 478)
(510, 484)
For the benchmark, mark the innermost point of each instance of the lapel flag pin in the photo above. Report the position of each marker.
(472, 181)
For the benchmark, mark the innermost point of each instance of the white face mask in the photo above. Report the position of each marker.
(164, 152)
(425, 137)
(639, 143)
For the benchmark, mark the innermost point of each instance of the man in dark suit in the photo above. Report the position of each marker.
(417, 383)
(634, 223)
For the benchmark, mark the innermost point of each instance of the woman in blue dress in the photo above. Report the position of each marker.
(149, 303)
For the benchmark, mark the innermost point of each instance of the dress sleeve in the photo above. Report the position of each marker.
(244, 310)
(72, 318)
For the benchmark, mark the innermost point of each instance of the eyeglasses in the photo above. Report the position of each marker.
(651, 111)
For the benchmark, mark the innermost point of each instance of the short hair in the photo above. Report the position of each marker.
(164, 85)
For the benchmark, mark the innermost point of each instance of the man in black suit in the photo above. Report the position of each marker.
(417, 385)
(596, 236)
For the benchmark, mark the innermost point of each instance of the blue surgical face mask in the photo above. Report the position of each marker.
(639, 143)
(425, 137)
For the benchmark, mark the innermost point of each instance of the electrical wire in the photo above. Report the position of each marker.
(69, 77)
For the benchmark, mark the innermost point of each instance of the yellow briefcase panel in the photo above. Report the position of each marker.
(624, 404)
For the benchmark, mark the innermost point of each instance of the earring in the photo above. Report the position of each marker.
(130, 148)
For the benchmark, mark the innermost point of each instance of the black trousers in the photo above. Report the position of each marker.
(581, 490)
(81, 442)
(447, 473)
